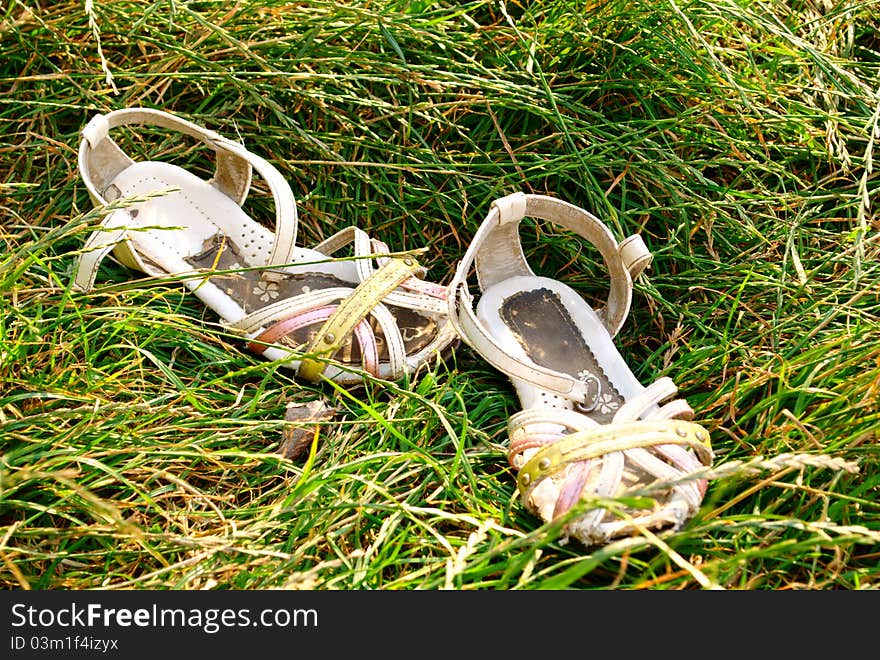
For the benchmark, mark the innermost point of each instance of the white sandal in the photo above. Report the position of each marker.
(294, 304)
(588, 429)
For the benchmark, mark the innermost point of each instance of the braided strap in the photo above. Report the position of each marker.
(586, 445)
(563, 458)
(362, 331)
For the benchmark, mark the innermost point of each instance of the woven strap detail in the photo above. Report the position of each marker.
(362, 331)
(354, 309)
(597, 442)
(563, 457)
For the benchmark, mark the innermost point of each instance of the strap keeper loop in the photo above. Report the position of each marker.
(96, 130)
(511, 208)
(635, 255)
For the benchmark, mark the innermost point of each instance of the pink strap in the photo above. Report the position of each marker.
(413, 283)
(426, 288)
(533, 441)
(363, 332)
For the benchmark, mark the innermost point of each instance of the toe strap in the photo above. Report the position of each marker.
(366, 296)
(594, 443)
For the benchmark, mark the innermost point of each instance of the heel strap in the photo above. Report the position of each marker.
(101, 160)
(497, 252)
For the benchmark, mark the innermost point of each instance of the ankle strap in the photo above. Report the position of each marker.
(497, 251)
(101, 160)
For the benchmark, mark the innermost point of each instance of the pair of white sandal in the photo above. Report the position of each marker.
(588, 429)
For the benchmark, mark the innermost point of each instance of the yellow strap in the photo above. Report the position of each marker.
(354, 309)
(593, 443)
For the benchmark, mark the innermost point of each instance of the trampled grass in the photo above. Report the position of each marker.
(138, 439)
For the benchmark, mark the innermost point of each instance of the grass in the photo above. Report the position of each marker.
(139, 439)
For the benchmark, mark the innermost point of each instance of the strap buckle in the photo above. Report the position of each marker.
(591, 398)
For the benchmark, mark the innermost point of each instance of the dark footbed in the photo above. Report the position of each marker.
(246, 288)
(549, 336)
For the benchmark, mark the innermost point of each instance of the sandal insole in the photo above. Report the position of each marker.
(548, 334)
(543, 320)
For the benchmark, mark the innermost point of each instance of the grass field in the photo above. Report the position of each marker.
(139, 440)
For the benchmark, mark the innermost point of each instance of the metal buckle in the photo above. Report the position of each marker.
(591, 399)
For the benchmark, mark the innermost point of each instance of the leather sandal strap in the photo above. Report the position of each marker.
(258, 320)
(232, 175)
(354, 309)
(497, 252)
(98, 245)
(467, 325)
(101, 159)
(414, 293)
(362, 332)
(594, 443)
